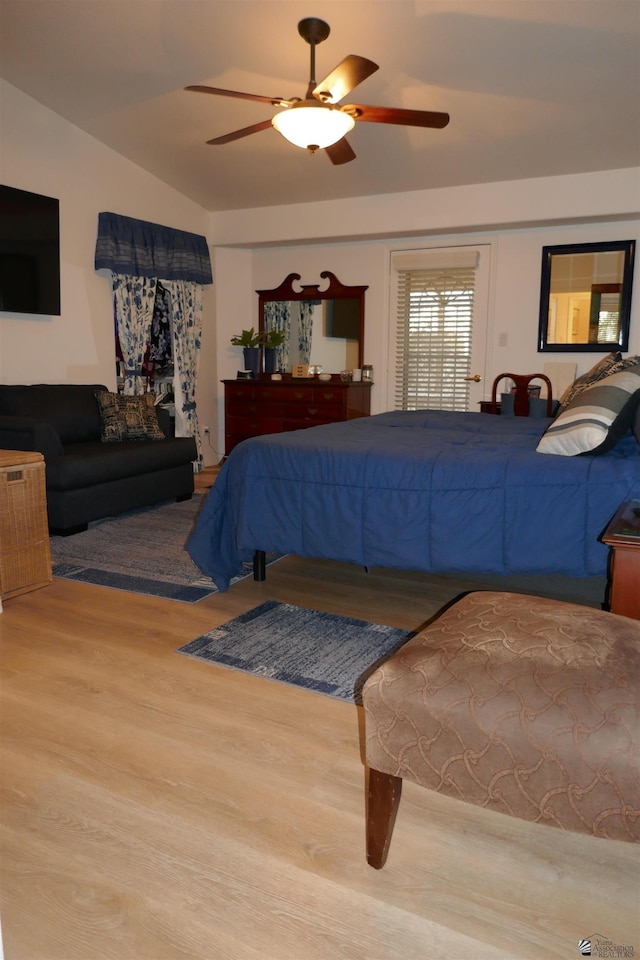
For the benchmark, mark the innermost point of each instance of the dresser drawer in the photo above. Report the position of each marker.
(241, 407)
(240, 390)
(253, 408)
(259, 407)
(238, 430)
(328, 395)
(252, 426)
(281, 394)
(313, 411)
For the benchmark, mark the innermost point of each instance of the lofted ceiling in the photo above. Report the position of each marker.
(535, 88)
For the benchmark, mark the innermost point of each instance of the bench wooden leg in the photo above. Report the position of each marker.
(383, 797)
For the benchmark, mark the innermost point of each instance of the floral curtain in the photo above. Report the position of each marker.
(133, 301)
(277, 316)
(186, 308)
(160, 345)
(139, 254)
(306, 321)
(295, 319)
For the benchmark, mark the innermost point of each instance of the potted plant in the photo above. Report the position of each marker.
(273, 340)
(250, 341)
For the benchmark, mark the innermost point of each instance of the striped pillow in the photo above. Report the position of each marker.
(614, 363)
(601, 369)
(597, 418)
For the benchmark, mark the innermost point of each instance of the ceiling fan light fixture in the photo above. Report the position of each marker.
(311, 124)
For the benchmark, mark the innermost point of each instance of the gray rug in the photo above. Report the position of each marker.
(306, 648)
(141, 552)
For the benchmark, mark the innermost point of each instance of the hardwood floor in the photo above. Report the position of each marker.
(207, 477)
(158, 808)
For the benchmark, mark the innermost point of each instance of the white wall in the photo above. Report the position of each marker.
(514, 297)
(610, 194)
(44, 153)
(236, 310)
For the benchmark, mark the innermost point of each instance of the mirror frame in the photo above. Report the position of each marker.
(622, 343)
(335, 291)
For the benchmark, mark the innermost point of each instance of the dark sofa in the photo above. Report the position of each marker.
(86, 478)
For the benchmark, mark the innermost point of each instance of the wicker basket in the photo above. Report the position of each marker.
(25, 555)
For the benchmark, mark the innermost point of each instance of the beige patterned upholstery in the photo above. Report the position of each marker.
(518, 704)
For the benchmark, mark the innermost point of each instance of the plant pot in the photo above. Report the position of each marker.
(252, 360)
(270, 355)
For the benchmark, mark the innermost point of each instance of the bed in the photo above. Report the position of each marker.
(435, 491)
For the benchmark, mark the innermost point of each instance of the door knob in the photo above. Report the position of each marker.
(476, 378)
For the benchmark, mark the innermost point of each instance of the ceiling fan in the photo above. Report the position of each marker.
(320, 121)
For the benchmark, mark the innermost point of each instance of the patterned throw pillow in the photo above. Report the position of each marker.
(597, 418)
(623, 363)
(601, 369)
(128, 418)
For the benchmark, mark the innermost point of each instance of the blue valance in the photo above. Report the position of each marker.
(142, 249)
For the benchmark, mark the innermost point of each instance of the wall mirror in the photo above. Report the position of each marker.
(585, 297)
(324, 328)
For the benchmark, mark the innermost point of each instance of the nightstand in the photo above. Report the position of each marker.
(623, 536)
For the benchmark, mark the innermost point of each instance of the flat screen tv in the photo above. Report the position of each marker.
(343, 319)
(29, 252)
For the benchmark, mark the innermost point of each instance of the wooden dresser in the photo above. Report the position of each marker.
(623, 536)
(256, 407)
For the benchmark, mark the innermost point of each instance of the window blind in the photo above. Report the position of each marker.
(435, 291)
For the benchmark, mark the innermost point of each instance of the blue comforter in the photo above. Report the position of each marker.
(428, 490)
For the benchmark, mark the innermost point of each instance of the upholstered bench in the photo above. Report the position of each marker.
(519, 704)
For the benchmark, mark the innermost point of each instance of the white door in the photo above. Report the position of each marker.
(438, 328)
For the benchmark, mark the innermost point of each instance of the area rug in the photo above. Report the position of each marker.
(307, 648)
(141, 552)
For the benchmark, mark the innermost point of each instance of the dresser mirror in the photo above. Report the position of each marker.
(585, 297)
(322, 328)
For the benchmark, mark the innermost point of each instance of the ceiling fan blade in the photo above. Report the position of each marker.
(343, 78)
(239, 134)
(218, 91)
(410, 118)
(340, 152)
